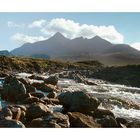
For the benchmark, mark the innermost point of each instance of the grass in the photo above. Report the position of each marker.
(40, 65)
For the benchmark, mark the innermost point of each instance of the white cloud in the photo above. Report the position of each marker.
(37, 23)
(22, 38)
(12, 24)
(136, 45)
(72, 29)
(69, 29)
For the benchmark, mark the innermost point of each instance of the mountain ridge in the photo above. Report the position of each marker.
(60, 47)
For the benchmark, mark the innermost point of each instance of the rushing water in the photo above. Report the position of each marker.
(122, 100)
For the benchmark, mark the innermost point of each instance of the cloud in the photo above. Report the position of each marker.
(37, 23)
(72, 29)
(12, 24)
(136, 45)
(22, 38)
(69, 29)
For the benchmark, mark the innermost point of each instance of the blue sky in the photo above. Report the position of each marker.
(19, 28)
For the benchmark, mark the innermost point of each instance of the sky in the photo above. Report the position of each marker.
(19, 28)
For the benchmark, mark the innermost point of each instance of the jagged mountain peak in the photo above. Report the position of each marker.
(58, 35)
(98, 38)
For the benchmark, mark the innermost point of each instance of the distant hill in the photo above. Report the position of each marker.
(62, 48)
(44, 56)
(5, 53)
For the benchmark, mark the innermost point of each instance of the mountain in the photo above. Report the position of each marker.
(60, 47)
(5, 53)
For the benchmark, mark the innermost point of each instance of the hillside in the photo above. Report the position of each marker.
(19, 64)
(125, 75)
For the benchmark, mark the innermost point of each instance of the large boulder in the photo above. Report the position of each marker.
(7, 123)
(52, 120)
(79, 120)
(101, 113)
(53, 80)
(108, 122)
(133, 124)
(44, 87)
(105, 117)
(27, 84)
(36, 110)
(12, 89)
(6, 113)
(78, 102)
(19, 112)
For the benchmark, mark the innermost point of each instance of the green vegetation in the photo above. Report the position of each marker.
(41, 65)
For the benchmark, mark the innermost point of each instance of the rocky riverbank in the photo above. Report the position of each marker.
(40, 101)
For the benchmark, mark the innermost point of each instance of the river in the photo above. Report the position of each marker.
(123, 101)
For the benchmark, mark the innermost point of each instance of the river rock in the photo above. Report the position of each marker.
(53, 80)
(54, 101)
(2, 74)
(78, 101)
(27, 84)
(38, 94)
(101, 113)
(25, 81)
(52, 120)
(133, 124)
(36, 77)
(121, 120)
(23, 97)
(19, 112)
(36, 110)
(31, 100)
(22, 107)
(52, 95)
(12, 89)
(108, 122)
(79, 78)
(44, 87)
(16, 113)
(88, 82)
(79, 120)
(51, 100)
(6, 113)
(6, 123)
(30, 88)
